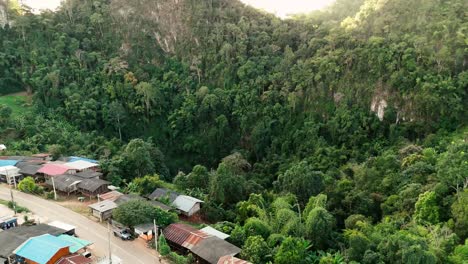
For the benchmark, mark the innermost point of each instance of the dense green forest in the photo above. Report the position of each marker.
(333, 137)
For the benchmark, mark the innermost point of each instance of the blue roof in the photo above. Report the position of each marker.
(41, 249)
(77, 243)
(4, 163)
(74, 158)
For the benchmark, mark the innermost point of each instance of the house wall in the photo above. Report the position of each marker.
(61, 253)
(194, 209)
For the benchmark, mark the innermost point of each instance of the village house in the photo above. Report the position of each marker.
(206, 247)
(185, 205)
(44, 249)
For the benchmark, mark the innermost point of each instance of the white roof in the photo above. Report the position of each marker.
(185, 203)
(62, 225)
(10, 170)
(80, 165)
(103, 206)
(211, 231)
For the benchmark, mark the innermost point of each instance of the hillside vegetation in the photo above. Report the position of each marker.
(337, 136)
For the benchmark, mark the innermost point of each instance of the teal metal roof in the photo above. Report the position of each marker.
(4, 163)
(41, 249)
(77, 243)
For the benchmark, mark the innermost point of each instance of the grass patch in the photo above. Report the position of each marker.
(18, 103)
(19, 209)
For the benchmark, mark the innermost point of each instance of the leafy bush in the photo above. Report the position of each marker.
(28, 185)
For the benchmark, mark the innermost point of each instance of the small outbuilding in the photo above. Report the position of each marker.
(187, 205)
(103, 209)
(10, 174)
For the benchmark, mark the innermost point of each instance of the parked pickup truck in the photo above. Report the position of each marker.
(122, 233)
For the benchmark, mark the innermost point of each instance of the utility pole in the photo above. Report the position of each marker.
(13, 200)
(155, 235)
(53, 185)
(110, 251)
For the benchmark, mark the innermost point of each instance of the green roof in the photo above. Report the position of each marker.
(77, 243)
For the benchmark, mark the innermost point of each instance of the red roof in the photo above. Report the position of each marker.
(74, 259)
(232, 260)
(54, 169)
(180, 233)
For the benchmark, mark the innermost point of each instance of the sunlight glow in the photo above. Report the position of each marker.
(41, 4)
(283, 8)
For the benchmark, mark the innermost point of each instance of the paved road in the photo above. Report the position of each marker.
(131, 252)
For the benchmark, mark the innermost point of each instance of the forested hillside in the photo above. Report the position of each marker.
(334, 137)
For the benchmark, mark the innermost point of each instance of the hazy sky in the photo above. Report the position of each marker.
(279, 7)
(42, 4)
(284, 7)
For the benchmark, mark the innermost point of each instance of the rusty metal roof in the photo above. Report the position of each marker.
(194, 239)
(184, 235)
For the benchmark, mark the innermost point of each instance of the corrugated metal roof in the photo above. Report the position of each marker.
(178, 233)
(4, 163)
(214, 232)
(9, 170)
(81, 165)
(111, 196)
(75, 158)
(185, 203)
(194, 239)
(89, 174)
(212, 249)
(91, 184)
(162, 193)
(74, 259)
(41, 249)
(29, 169)
(12, 238)
(54, 169)
(77, 243)
(103, 206)
(232, 260)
